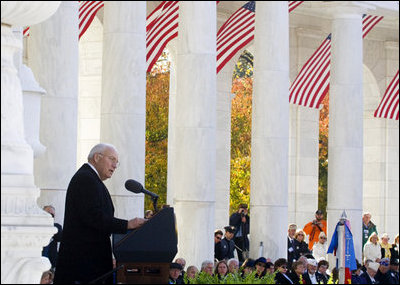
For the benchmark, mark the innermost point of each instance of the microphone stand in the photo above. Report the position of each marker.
(154, 199)
(104, 276)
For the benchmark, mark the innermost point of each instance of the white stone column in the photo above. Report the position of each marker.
(270, 131)
(25, 228)
(223, 170)
(345, 151)
(123, 105)
(53, 58)
(194, 150)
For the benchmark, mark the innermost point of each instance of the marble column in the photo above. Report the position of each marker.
(23, 224)
(222, 188)
(194, 149)
(53, 58)
(123, 102)
(270, 131)
(345, 147)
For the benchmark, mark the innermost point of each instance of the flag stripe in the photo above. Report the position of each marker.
(238, 31)
(312, 83)
(389, 105)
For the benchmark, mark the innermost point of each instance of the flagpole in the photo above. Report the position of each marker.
(341, 250)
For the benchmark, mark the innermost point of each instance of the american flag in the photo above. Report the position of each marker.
(161, 27)
(238, 31)
(87, 12)
(312, 83)
(389, 106)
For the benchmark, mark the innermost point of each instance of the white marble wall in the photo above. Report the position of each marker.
(123, 101)
(25, 228)
(194, 150)
(270, 131)
(53, 58)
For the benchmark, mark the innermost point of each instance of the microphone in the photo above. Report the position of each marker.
(136, 187)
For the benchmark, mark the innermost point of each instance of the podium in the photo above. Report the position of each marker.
(148, 251)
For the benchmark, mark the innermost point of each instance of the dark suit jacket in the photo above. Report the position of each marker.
(85, 249)
(280, 279)
(224, 249)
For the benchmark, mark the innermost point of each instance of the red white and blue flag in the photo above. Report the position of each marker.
(389, 106)
(238, 31)
(312, 83)
(347, 253)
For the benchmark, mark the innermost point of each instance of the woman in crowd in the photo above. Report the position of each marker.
(191, 271)
(395, 248)
(261, 267)
(386, 247)
(320, 247)
(300, 246)
(221, 269)
(372, 249)
(322, 267)
(281, 269)
(297, 272)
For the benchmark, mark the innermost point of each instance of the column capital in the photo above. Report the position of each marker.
(24, 13)
(345, 9)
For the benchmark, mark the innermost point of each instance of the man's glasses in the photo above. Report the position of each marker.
(112, 158)
(284, 266)
(322, 237)
(262, 264)
(219, 238)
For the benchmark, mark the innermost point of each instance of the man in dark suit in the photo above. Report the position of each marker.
(227, 245)
(291, 253)
(241, 221)
(85, 250)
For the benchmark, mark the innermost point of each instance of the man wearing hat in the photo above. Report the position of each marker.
(372, 269)
(174, 273)
(314, 228)
(224, 249)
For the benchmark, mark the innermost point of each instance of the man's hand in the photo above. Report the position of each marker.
(135, 223)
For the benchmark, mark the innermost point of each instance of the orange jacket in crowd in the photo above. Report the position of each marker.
(313, 230)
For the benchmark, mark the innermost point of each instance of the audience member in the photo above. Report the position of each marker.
(368, 227)
(270, 268)
(384, 275)
(207, 266)
(221, 269)
(386, 247)
(47, 277)
(218, 234)
(395, 249)
(191, 271)
(261, 267)
(310, 277)
(300, 246)
(247, 267)
(182, 262)
(322, 274)
(314, 228)
(227, 245)
(291, 254)
(233, 265)
(297, 272)
(357, 276)
(304, 260)
(372, 249)
(320, 248)
(372, 269)
(51, 250)
(281, 270)
(174, 273)
(241, 221)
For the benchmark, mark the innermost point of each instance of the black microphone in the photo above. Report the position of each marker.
(136, 187)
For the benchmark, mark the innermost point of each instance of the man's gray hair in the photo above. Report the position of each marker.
(233, 260)
(99, 148)
(205, 263)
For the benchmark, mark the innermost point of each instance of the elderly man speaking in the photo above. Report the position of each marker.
(85, 250)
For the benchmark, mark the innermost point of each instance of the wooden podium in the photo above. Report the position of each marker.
(148, 251)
